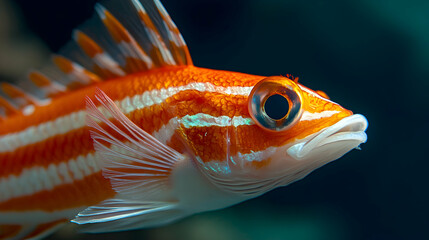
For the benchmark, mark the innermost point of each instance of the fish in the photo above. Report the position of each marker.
(121, 131)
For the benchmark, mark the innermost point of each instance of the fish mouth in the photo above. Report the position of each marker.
(333, 141)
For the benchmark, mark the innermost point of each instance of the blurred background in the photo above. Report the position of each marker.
(372, 56)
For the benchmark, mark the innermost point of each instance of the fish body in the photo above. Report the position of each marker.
(138, 137)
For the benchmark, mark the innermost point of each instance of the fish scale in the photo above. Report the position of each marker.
(126, 133)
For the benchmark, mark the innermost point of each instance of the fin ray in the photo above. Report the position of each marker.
(137, 39)
(131, 158)
(119, 214)
(30, 231)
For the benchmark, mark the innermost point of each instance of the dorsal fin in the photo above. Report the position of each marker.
(17, 95)
(126, 36)
(104, 64)
(139, 36)
(136, 58)
(7, 108)
(77, 75)
(49, 87)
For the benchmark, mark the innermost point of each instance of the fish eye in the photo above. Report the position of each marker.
(275, 103)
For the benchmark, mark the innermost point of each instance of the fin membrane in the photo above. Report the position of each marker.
(124, 37)
(136, 163)
(138, 167)
(119, 214)
(30, 231)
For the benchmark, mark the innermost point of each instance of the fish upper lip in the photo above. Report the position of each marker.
(349, 128)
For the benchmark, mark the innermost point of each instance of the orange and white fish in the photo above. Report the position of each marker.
(121, 131)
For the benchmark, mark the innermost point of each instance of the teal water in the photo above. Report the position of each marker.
(370, 56)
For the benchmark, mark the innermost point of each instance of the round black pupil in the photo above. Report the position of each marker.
(276, 106)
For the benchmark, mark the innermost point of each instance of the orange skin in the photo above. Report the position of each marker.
(96, 188)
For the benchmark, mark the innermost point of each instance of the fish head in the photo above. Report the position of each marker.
(304, 128)
(280, 132)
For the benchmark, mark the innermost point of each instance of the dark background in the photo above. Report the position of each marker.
(372, 56)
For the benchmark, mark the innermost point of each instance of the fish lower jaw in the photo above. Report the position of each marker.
(333, 141)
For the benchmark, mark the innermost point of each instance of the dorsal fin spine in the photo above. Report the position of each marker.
(179, 47)
(136, 58)
(75, 73)
(51, 88)
(18, 96)
(152, 40)
(160, 52)
(105, 64)
(7, 108)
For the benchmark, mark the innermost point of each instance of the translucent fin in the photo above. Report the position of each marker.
(45, 229)
(138, 167)
(177, 44)
(49, 87)
(17, 95)
(7, 108)
(124, 37)
(137, 164)
(77, 76)
(160, 54)
(119, 214)
(30, 231)
(104, 64)
(135, 58)
(131, 36)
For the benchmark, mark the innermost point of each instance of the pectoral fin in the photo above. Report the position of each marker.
(121, 214)
(138, 167)
(30, 231)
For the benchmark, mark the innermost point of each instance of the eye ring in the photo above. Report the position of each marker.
(260, 96)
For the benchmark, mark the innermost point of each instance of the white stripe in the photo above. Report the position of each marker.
(38, 178)
(134, 51)
(308, 116)
(76, 120)
(165, 133)
(105, 61)
(205, 120)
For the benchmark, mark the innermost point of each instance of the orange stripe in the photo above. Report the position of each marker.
(51, 151)
(103, 73)
(81, 193)
(9, 110)
(92, 49)
(118, 32)
(126, 86)
(135, 65)
(15, 93)
(89, 46)
(210, 143)
(67, 67)
(155, 52)
(180, 53)
(123, 87)
(39, 80)
(64, 147)
(42, 81)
